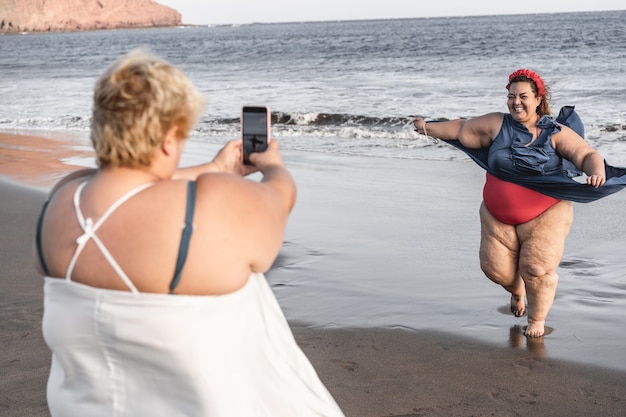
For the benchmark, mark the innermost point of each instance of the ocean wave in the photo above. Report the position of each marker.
(337, 119)
(354, 134)
(284, 121)
(320, 119)
(340, 120)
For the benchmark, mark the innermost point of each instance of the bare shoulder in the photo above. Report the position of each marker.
(490, 122)
(229, 198)
(566, 132)
(247, 212)
(566, 138)
(71, 177)
(569, 144)
(225, 187)
(61, 195)
(480, 131)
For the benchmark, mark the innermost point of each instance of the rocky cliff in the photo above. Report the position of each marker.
(77, 15)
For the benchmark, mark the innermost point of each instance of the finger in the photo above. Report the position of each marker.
(595, 181)
(235, 143)
(248, 169)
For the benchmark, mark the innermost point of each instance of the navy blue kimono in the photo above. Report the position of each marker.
(558, 184)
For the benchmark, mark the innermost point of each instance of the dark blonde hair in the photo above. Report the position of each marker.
(137, 100)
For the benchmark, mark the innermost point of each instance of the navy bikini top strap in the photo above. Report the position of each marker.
(42, 261)
(186, 237)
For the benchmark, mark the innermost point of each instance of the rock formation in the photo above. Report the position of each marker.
(79, 15)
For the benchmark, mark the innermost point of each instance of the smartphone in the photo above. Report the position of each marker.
(255, 130)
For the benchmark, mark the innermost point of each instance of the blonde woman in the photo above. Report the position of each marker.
(155, 301)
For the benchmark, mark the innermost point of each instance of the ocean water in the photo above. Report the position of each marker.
(339, 89)
(345, 87)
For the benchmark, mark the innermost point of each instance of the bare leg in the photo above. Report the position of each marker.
(542, 241)
(499, 257)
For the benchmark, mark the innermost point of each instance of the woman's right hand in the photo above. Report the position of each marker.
(269, 158)
(420, 125)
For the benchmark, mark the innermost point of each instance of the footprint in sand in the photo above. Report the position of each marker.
(581, 267)
(293, 255)
(348, 365)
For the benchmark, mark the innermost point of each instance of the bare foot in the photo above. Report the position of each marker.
(517, 306)
(535, 328)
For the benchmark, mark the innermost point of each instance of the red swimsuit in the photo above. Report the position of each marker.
(513, 204)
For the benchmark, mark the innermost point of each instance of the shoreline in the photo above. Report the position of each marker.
(370, 371)
(37, 158)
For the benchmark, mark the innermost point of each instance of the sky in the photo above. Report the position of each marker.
(209, 12)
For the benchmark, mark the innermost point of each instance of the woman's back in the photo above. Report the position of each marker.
(143, 235)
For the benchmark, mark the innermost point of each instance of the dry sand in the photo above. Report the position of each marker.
(371, 372)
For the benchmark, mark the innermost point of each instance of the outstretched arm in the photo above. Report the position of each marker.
(474, 133)
(227, 160)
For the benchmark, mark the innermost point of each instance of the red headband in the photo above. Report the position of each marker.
(532, 75)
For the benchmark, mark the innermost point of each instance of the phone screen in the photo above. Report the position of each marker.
(254, 130)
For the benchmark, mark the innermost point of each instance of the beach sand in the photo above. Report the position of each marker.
(439, 366)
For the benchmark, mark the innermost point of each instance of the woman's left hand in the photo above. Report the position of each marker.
(229, 159)
(596, 180)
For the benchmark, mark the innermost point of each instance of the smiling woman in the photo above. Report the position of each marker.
(523, 231)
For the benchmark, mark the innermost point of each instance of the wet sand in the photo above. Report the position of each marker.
(435, 367)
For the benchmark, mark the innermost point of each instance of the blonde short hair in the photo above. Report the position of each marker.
(137, 100)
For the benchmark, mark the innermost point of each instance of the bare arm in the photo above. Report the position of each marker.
(572, 147)
(227, 160)
(277, 194)
(474, 133)
(247, 219)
